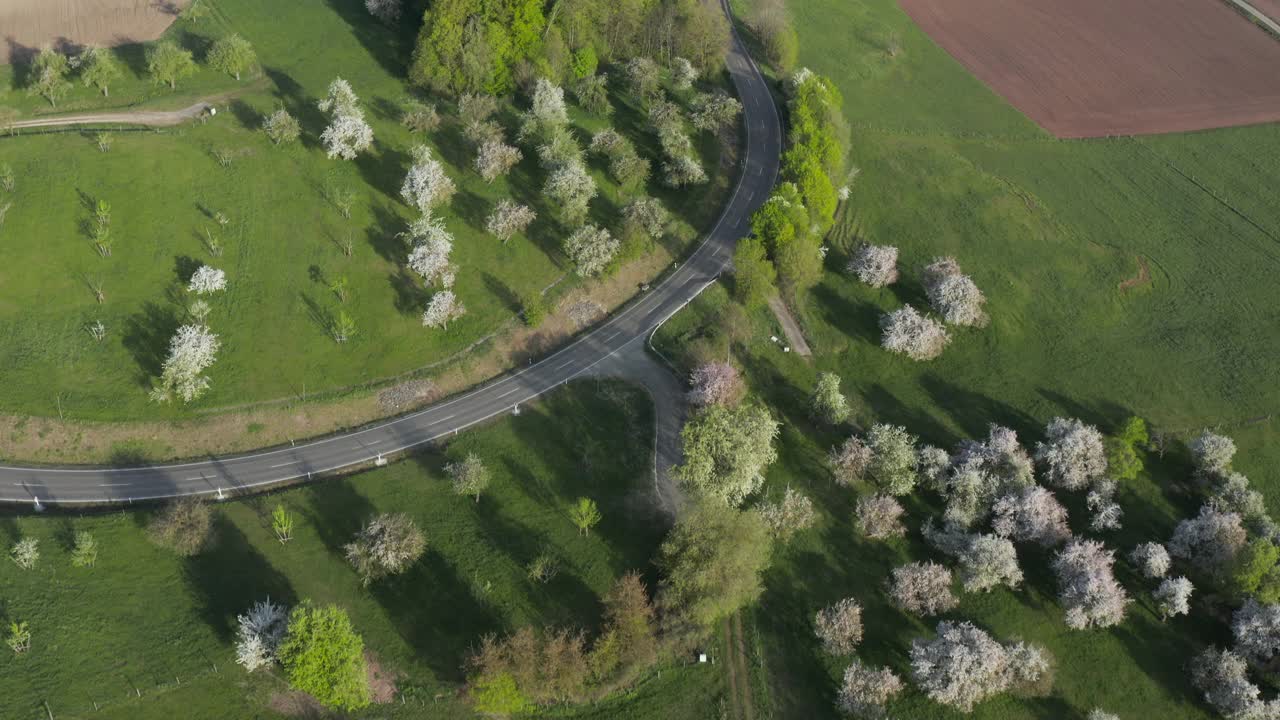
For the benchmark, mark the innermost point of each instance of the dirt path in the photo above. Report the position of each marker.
(741, 706)
(150, 118)
(790, 328)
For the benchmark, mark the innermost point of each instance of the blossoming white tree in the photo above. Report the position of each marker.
(259, 634)
(431, 246)
(1072, 454)
(908, 332)
(1151, 559)
(1256, 628)
(192, 350)
(442, 309)
(387, 545)
(1173, 597)
(922, 588)
(572, 188)
(1209, 541)
(509, 218)
(1031, 514)
(839, 626)
(875, 265)
(964, 665)
(788, 516)
(495, 159)
(865, 691)
(1087, 587)
(952, 294)
(1212, 453)
(715, 383)
(879, 517)
(348, 134)
(206, 280)
(1222, 676)
(426, 185)
(385, 10)
(849, 461)
(987, 562)
(591, 249)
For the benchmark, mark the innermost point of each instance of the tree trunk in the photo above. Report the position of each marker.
(173, 84)
(106, 92)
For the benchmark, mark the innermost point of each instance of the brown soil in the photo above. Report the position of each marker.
(293, 703)
(1143, 277)
(28, 25)
(790, 328)
(1090, 68)
(382, 684)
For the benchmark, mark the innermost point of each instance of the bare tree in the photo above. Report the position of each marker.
(387, 545)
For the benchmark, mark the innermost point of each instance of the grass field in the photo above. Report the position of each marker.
(146, 619)
(1049, 230)
(283, 241)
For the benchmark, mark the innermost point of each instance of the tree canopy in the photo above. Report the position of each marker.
(323, 656)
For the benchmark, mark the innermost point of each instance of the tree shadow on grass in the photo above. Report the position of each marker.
(436, 613)
(298, 104)
(508, 297)
(391, 46)
(337, 512)
(973, 411)
(232, 575)
(384, 170)
(471, 209)
(146, 336)
(855, 321)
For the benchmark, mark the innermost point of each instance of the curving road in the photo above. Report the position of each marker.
(625, 331)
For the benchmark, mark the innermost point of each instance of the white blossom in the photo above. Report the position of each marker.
(496, 158)
(25, 553)
(443, 309)
(989, 561)
(1151, 559)
(839, 626)
(432, 245)
(1031, 514)
(426, 184)
(1223, 677)
(715, 383)
(865, 691)
(548, 103)
(683, 170)
(1256, 628)
(1087, 586)
(1101, 502)
(340, 99)
(591, 249)
(964, 665)
(648, 216)
(682, 73)
(192, 350)
(509, 218)
(908, 332)
(922, 588)
(794, 513)
(385, 10)
(1209, 541)
(1173, 597)
(207, 280)
(875, 265)
(572, 187)
(1073, 454)
(850, 461)
(1212, 452)
(879, 517)
(347, 136)
(931, 465)
(952, 294)
(712, 111)
(1100, 714)
(259, 634)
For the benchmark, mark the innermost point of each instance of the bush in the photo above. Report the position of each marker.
(185, 527)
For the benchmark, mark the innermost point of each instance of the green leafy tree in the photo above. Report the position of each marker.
(232, 55)
(322, 655)
(726, 451)
(754, 277)
(711, 563)
(84, 553)
(282, 524)
(585, 515)
(1254, 572)
(498, 695)
(828, 402)
(169, 63)
(100, 69)
(1123, 458)
(468, 476)
(584, 62)
(49, 76)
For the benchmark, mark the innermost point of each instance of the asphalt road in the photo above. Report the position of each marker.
(625, 330)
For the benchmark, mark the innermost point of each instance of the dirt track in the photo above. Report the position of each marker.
(1090, 68)
(28, 25)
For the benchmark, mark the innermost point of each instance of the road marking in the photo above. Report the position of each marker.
(295, 462)
(114, 484)
(566, 362)
(437, 422)
(375, 442)
(508, 393)
(611, 337)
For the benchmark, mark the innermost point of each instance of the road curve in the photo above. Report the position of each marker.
(627, 329)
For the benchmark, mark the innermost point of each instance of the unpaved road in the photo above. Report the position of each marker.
(152, 118)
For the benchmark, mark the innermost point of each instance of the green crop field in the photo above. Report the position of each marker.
(1051, 231)
(283, 239)
(144, 620)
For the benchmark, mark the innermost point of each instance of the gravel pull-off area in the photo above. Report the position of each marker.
(28, 25)
(1090, 68)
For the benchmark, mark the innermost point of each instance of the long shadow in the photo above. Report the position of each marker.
(337, 512)
(146, 336)
(505, 294)
(890, 409)
(860, 321)
(296, 102)
(391, 46)
(230, 576)
(435, 612)
(471, 208)
(384, 170)
(974, 411)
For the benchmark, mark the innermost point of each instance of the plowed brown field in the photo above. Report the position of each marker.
(28, 25)
(1088, 68)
